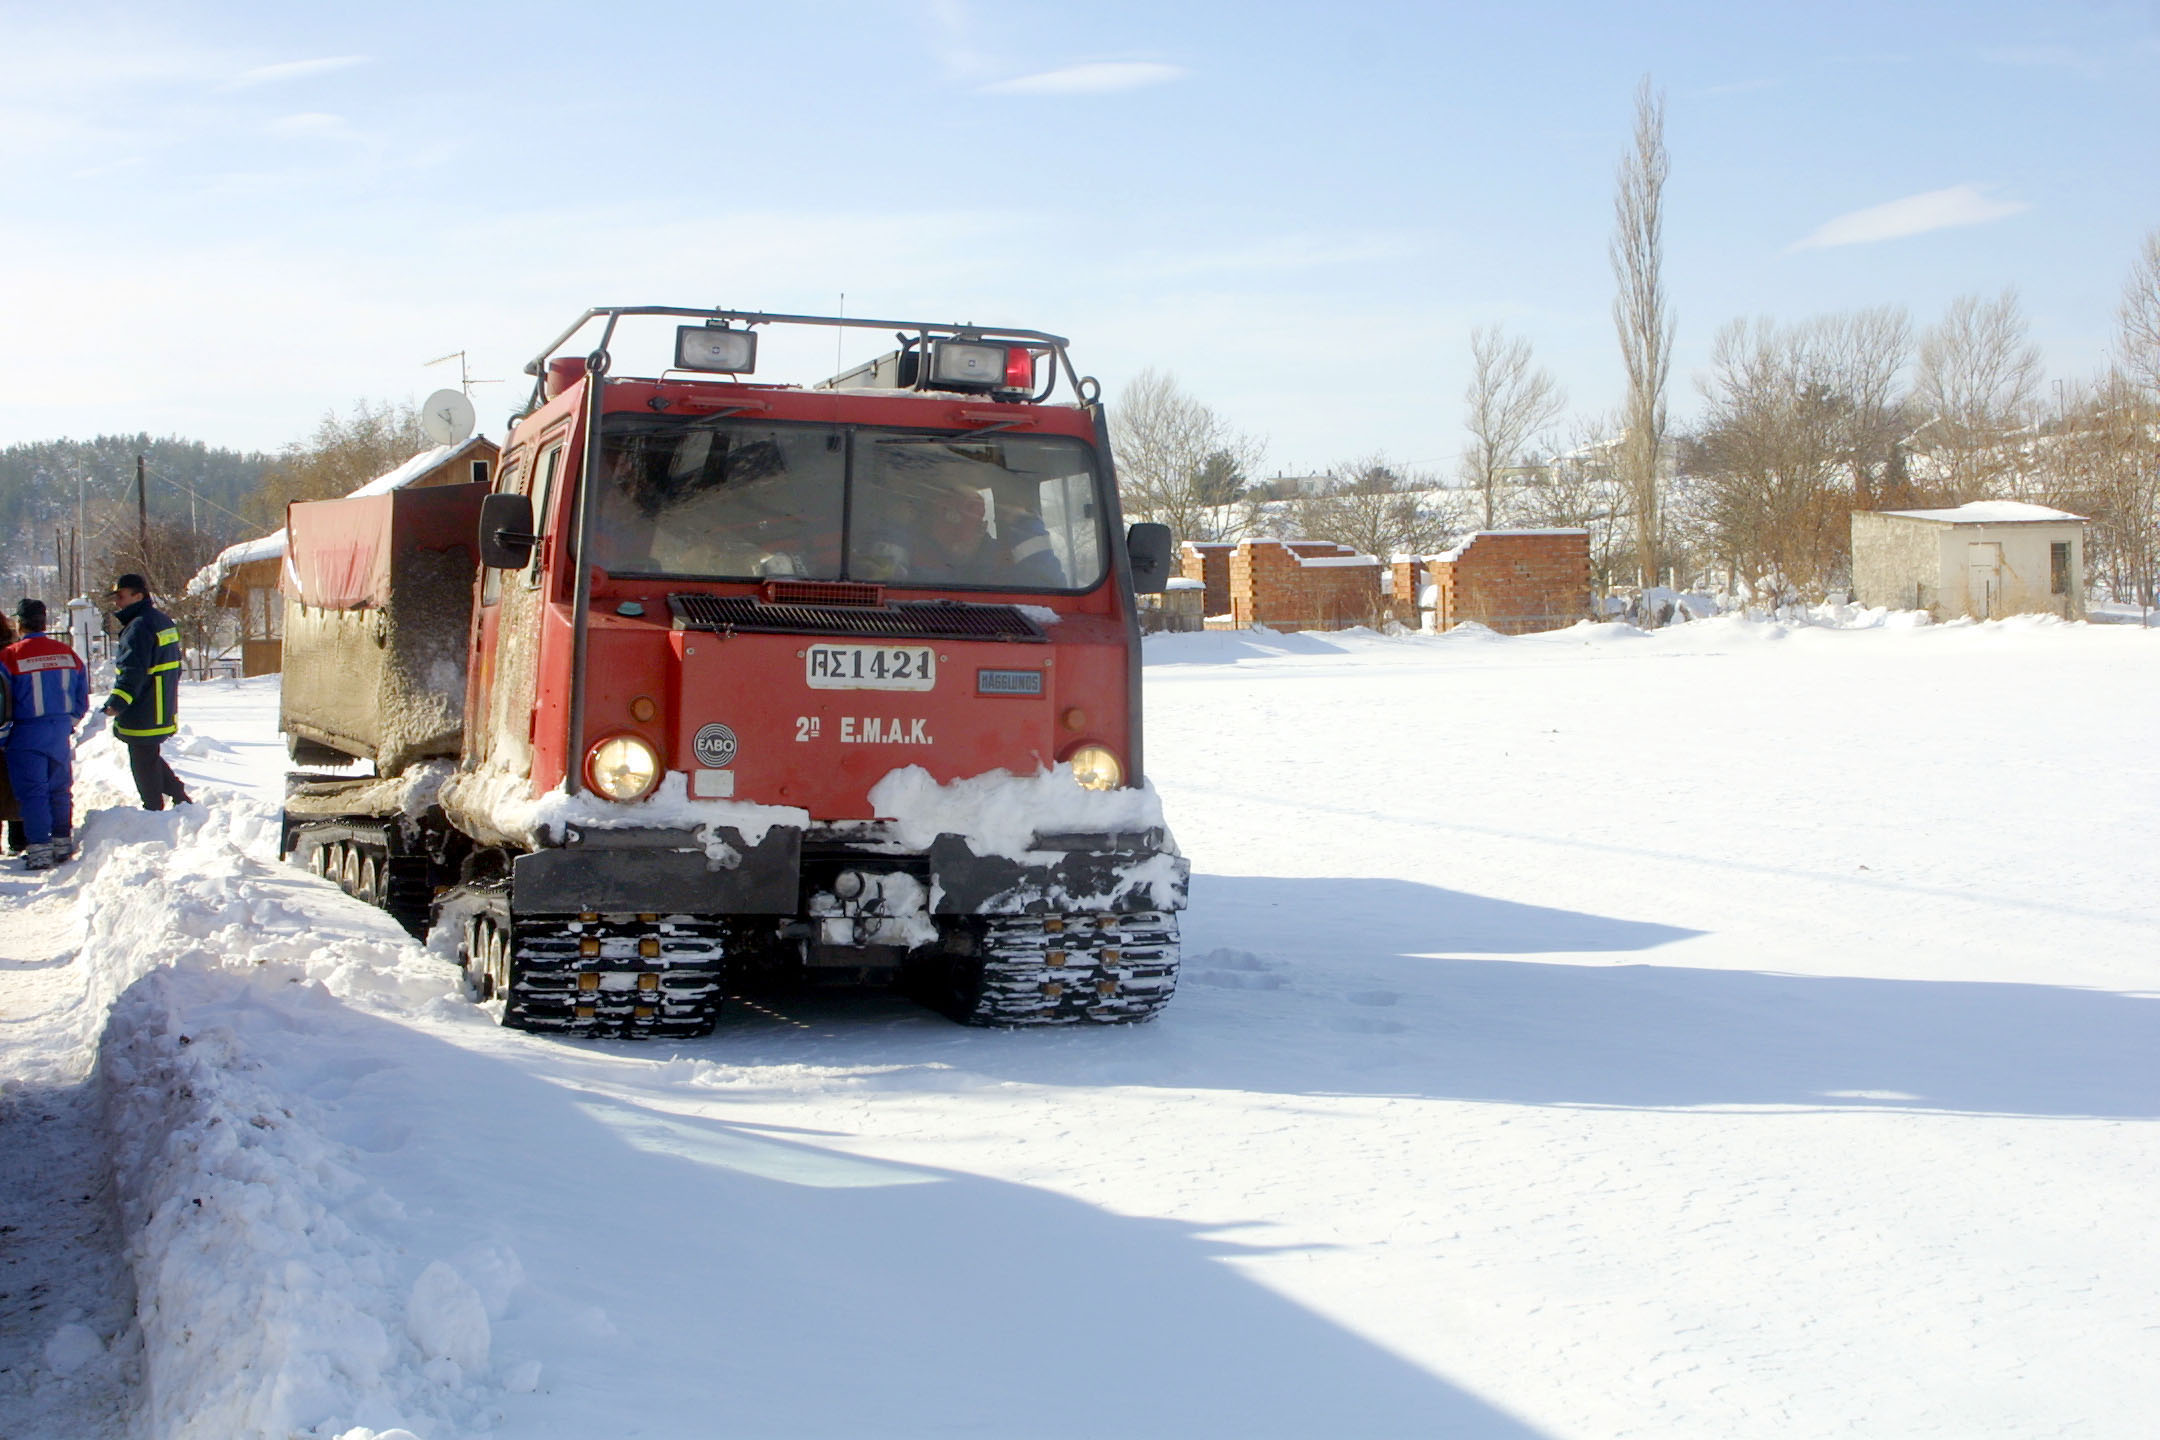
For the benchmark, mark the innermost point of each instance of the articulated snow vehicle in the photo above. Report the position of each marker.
(717, 681)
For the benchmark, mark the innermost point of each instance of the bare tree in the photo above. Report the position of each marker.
(1798, 429)
(2138, 346)
(168, 553)
(1374, 508)
(1508, 404)
(1579, 489)
(1978, 381)
(342, 455)
(1860, 356)
(1767, 474)
(1174, 457)
(1640, 315)
(2104, 463)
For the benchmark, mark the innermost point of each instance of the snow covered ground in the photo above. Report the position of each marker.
(1738, 1030)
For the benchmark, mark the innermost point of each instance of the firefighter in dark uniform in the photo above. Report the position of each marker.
(145, 703)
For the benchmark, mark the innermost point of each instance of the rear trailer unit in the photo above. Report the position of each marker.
(762, 683)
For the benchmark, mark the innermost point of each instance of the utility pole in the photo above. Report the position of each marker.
(142, 511)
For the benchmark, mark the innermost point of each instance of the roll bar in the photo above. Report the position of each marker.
(920, 331)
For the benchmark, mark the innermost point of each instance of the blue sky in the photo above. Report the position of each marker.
(222, 220)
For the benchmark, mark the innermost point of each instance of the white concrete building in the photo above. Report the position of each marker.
(1987, 559)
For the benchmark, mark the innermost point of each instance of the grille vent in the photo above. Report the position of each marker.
(907, 620)
(823, 592)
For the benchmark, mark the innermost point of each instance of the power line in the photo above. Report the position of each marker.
(194, 493)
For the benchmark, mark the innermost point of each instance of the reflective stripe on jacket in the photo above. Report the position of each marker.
(146, 680)
(44, 679)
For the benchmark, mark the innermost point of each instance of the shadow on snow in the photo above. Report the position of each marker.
(1369, 986)
(703, 1271)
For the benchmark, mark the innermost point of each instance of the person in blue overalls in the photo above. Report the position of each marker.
(48, 692)
(145, 701)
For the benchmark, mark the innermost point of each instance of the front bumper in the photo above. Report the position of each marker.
(653, 871)
(663, 871)
(1100, 873)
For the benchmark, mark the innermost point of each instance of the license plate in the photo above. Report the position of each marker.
(870, 667)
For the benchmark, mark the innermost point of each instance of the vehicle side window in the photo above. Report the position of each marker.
(543, 494)
(513, 475)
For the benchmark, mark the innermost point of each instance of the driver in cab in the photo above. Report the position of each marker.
(961, 539)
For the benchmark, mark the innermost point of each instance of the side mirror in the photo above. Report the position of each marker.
(1147, 545)
(506, 538)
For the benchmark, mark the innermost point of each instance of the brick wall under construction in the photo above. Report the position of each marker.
(1208, 561)
(1513, 581)
(1303, 585)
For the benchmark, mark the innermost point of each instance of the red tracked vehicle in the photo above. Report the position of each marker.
(847, 684)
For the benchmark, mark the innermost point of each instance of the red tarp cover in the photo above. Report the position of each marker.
(341, 551)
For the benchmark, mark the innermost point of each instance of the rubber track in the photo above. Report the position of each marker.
(407, 894)
(1066, 969)
(557, 988)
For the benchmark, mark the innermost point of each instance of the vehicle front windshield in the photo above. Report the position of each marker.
(738, 500)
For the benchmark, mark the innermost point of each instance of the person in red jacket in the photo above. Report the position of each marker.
(9, 810)
(48, 693)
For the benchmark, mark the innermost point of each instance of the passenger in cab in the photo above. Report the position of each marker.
(963, 538)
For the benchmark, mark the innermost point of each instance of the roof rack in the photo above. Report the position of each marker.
(908, 332)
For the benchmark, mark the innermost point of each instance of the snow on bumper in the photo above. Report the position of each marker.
(615, 871)
(1110, 872)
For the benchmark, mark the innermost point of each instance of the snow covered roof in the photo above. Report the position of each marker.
(232, 557)
(420, 465)
(272, 547)
(1988, 512)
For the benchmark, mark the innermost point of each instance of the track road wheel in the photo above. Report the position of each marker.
(349, 869)
(467, 957)
(318, 859)
(1064, 969)
(487, 967)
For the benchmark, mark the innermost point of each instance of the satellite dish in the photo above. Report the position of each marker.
(447, 416)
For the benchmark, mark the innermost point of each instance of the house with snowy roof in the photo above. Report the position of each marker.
(1987, 559)
(245, 577)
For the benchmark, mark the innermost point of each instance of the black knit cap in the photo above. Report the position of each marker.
(31, 613)
(131, 581)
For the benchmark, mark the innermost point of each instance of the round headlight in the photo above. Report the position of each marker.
(1096, 768)
(622, 767)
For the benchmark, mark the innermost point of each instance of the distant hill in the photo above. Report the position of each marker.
(38, 484)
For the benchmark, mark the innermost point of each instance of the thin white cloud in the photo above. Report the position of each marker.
(1913, 215)
(1095, 78)
(312, 122)
(293, 70)
(952, 41)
